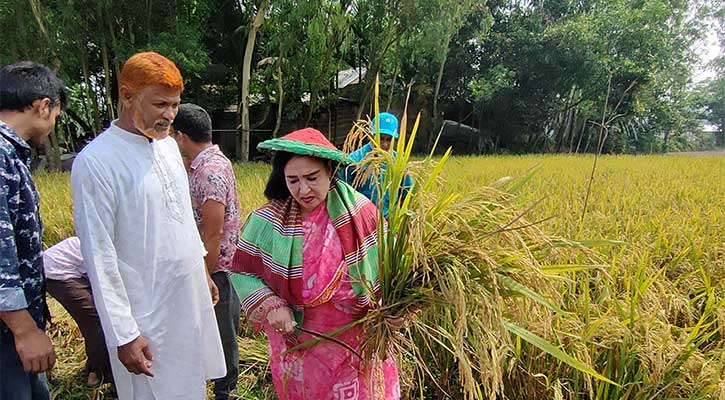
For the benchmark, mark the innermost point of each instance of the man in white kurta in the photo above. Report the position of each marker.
(145, 261)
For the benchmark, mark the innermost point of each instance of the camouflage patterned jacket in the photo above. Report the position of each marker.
(22, 282)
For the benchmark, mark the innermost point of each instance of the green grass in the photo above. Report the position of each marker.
(651, 320)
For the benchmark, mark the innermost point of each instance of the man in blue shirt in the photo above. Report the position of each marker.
(388, 126)
(31, 97)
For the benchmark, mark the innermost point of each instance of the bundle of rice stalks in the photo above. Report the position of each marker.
(467, 264)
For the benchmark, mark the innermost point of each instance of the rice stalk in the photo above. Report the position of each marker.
(465, 261)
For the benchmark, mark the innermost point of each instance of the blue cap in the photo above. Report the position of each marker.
(388, 124)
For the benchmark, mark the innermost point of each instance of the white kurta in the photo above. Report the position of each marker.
(144, 258)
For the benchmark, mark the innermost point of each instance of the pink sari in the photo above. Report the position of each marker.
(327, 370)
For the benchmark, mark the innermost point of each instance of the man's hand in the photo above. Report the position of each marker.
(212, 231)
(213, 290)
(35, 350)
(136, 356)
(33, 346)
(282, 320)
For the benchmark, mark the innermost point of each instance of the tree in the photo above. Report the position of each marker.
(715, 105)
(451, 16)
(531, 76)
(379, 26)
(243, 142)
(307, 40)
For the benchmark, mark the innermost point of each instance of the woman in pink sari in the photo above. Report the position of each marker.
(308, 258)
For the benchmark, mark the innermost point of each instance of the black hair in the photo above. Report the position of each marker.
(276, 188)
(194, 122)
(24, 82)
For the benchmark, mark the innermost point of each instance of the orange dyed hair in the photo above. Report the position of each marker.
(149, 68)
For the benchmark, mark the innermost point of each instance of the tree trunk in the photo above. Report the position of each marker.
(114, 51)
(331, 136)
(441, 68)
(667, 139)
(559, 124)
(23, 50)
(570, 127)
(567, 128)
(392, 86)
(107, 80)
(372, 73)
(14, 56)
(243, 140)
(576, 130)
(86, 115)
(131, 35)
(563, 121)
(312, 104)
(373, 70)
(280, 96)
(581, 136)
(90, 95)
(318, 79)
(110, 109)
(586, 145)
(35, 8)
(52, 152)
(148, 21)
(51, 144)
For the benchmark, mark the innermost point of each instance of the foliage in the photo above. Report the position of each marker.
(530, 76)
(309, 39)
(714, 102)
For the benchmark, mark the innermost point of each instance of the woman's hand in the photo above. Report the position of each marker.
(282, 320)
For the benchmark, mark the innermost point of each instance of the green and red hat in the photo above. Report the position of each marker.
(306, 142)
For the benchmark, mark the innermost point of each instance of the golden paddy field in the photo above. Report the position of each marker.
(651, 319)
